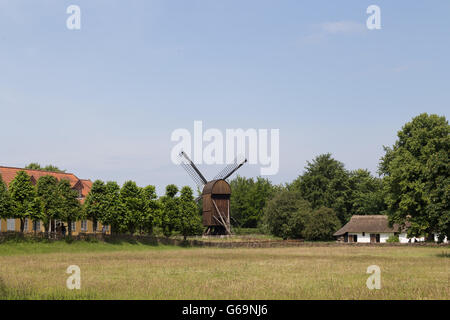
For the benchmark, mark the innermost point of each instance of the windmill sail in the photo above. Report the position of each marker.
(229, 170)
(192, 170)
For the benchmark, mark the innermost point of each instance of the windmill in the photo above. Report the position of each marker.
(215, 195)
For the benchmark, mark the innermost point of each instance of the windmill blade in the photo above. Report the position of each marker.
(192, 170)
(229, 170)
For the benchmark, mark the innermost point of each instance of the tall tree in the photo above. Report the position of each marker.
(151, 211)
(169, 210)
(133, 204)
(47, 199)
(94, 205)
(5, 200)
(416, 176)
(190, 222)
(366, 193)
(248, 200)
(113, 213)
(69, 205)
(22, 195)
(325, 183)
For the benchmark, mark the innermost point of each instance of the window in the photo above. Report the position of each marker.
(36, 226)
(73, 226)
(11, 225)
(355, 238)
(25, 225)
(84, 225)
(94, 226)
(364, 234)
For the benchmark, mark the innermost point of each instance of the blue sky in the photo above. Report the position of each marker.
(102, 101)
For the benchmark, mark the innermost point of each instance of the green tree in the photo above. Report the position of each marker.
(95, 204)
(37, 166)
(285, 215)
(47, 200)
(5, 200)
(248, 200)
(170, 210)
(22, 195)
(321, 224)
(366, 193)
(151, 212)
(133, 205)
(190, 223)
(325, 183)
(113, 212)
(416, 176)
(69, 205)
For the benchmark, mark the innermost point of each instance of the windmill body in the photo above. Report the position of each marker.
(215, 196)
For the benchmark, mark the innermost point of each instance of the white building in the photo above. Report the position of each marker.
(373, 229)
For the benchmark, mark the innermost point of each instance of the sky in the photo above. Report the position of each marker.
(102, 101)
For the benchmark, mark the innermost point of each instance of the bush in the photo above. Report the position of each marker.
(321, 224)
(393, 239)
(285, 215)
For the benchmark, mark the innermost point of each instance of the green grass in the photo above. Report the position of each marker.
(139, 271)
(27, 248)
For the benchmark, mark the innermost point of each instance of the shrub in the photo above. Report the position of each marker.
(321, 224)
(393, 239)
(285, 215)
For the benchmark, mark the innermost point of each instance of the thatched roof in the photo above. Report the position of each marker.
(369, 223)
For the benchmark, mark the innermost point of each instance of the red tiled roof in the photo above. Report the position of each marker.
(9, 173)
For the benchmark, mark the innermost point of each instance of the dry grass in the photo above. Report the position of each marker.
(211, 273)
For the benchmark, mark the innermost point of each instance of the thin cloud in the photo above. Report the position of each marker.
(342, 27)
(322, 31)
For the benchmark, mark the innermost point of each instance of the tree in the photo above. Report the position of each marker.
(170, 210)
(47, 200)
(321, 225)
(190, 222)
(94, 205)
(325, 182)
(151, 213)
(366, 193)
(285, 214)
(69, 205)
(37, 166)
(416, 176)
(133, 205)
(248, 200)
(22, 195)
(5, 200)
(113, 211)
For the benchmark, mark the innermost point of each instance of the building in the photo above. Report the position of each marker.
(372, 229)
(82, 186)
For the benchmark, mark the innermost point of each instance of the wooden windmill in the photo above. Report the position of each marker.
(215, 195)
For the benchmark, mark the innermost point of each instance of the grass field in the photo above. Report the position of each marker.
(137, 271)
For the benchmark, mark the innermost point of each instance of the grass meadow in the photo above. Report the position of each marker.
(139, 271)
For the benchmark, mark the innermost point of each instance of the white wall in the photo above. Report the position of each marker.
(384, 236)
(436, 238)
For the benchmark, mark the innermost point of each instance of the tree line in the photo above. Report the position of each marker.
(127, 209)
(413, 189)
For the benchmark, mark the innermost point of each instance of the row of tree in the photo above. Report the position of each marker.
(128, 209)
